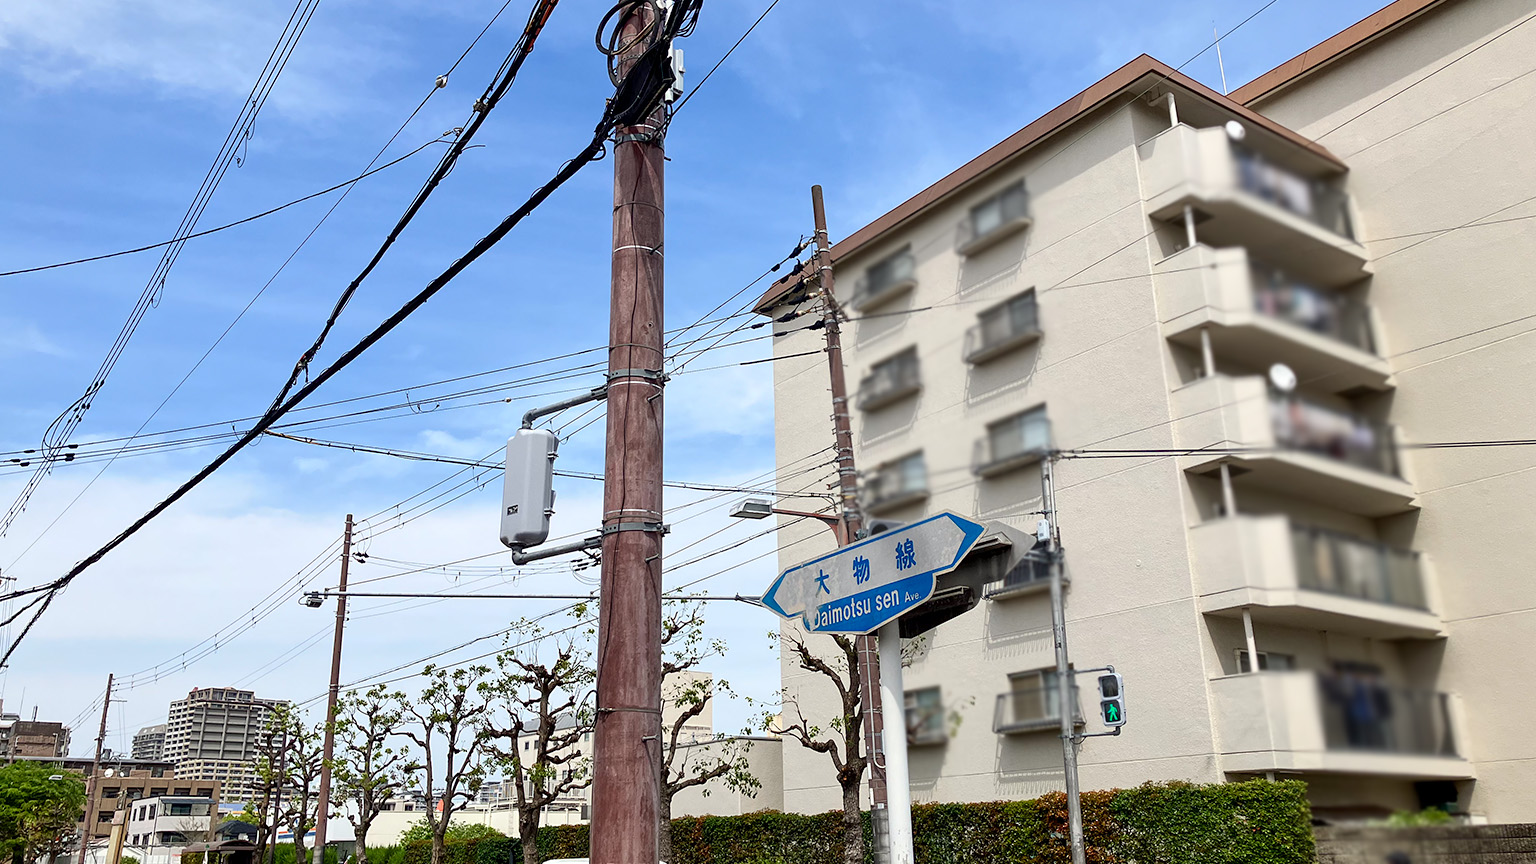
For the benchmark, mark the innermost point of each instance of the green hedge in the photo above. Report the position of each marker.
(1255, 822)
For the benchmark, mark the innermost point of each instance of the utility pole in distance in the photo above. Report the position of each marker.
(626, 788)
(886, 826)
(324, 806)
(90, 782)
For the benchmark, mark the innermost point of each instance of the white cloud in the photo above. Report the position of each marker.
(25, 338)
(187, 46)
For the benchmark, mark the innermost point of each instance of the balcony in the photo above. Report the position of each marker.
(885, 281)
(1256, 315)
(991, 221)
(890, 381)
(897, 484)
(1297, 576)
(1030, 709)
(1002, 329)
(1335, 724)
(1295, 213)
(1012, 443)
(1289, 445)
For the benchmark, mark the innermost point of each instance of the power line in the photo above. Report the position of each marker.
(226, 226)
(59, 431)
(628, 103)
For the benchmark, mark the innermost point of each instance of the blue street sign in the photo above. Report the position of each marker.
(860, 587)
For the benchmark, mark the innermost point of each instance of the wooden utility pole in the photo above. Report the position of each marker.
(90, 782)
(626, 788)
(322, 811)
(853, 522)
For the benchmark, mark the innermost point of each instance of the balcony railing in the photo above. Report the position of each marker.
(885, 280)
(1307, 426)
(1336, 316)
(896, 484)
(1003, 328)
(1361, 713)
(1012, 443)
(1343, 565)
(993, 219)
(1030, 710)
(1320, 202)
(889, 381)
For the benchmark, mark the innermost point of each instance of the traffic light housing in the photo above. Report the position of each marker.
(1112, 699)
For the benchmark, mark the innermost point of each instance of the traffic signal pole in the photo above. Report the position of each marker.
(889, 791)
(329, 748)
(1065, 703)
(627, 753)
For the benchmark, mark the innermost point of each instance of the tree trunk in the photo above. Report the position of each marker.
(439, 834)
(528, 833)
(664, 830)
(853, 824)
(360, 841)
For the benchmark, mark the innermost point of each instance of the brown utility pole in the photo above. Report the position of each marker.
(90, 782)
(626, 789)
(853, 520)
(323, 807)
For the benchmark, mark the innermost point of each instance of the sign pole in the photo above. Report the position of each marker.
(1066, 703)
(898, 789)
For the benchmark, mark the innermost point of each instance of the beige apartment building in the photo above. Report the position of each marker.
(212, 735)
(1267, 303)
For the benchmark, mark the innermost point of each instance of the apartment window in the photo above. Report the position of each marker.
(925, 716)
(183, 790)
(1012, 442)
(890, 277)
(995, 218)
(157, 772)
(1269, 661)
(150, 812)
(903, 481)
(890, 380)
(156, 791)
(1031, 703)
(104, 816)
(178, 809)
(205, 792)
(111, 791)
(1002, 328)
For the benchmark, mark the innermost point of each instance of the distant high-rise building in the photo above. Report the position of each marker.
(149, 743)
(212, 735)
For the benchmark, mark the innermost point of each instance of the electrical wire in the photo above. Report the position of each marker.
(59, 431)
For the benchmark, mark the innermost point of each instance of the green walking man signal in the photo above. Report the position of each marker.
(1112, 699)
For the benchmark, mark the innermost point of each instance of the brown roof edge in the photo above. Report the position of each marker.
(1334, 47)
(1049, 123)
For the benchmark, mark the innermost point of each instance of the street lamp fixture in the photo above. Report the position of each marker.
(752, 508)
(313, 600)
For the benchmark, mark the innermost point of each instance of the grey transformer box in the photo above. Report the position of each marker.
(528, 492)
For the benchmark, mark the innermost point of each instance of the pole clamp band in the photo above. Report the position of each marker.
(655, 375)
(651, 527)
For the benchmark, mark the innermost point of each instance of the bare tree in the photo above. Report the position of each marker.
(842, 737)
(299, 759)
(366, 772)
(447, 723)
(259, 808)
(548, 701)
(686, 761)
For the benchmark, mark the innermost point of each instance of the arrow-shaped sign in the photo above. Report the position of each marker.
(860, 587)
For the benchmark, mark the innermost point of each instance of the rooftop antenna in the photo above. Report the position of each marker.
(1219, 64)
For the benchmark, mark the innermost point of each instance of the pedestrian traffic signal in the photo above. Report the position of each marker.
(1112, 699)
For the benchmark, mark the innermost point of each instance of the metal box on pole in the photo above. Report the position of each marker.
(528, 491)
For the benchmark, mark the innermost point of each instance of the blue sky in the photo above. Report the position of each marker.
(112, 111)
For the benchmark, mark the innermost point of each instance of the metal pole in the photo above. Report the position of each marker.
(1065, 702)
(898, 788)
(322, 808)
(853, 521)
(626, 792)
(90, 782)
